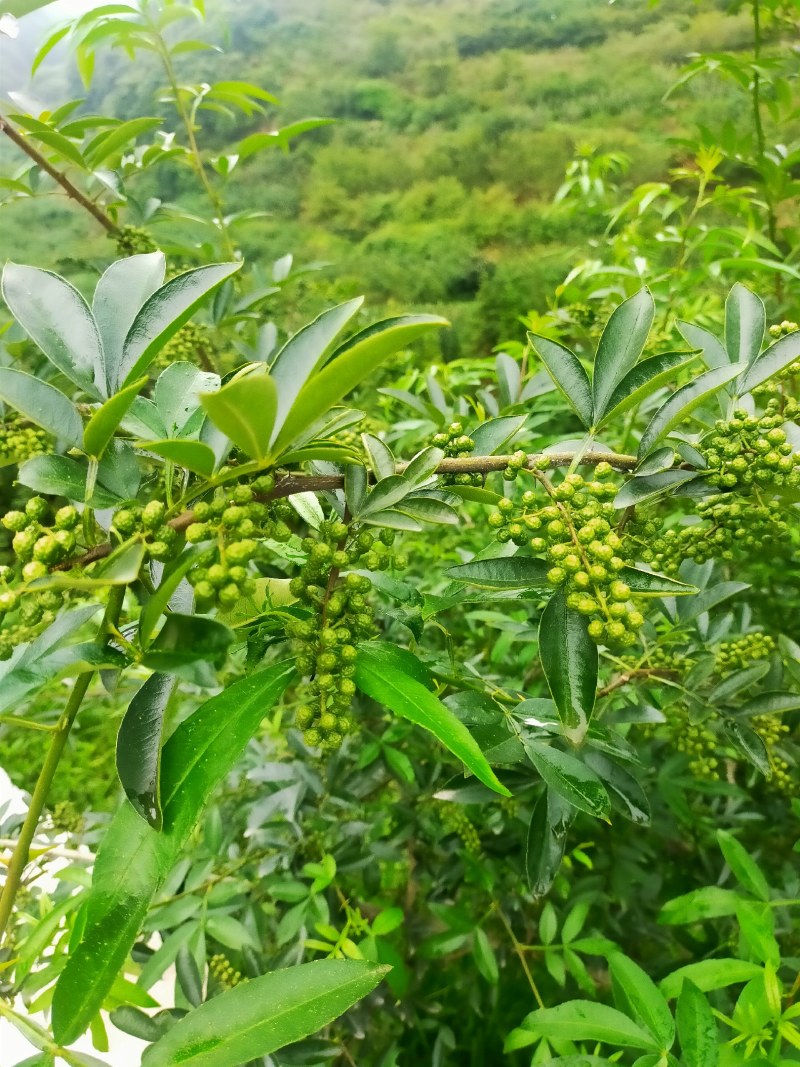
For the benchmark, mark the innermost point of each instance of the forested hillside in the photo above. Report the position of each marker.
(455, 123)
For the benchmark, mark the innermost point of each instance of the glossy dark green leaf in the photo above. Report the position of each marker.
(620, 346)
(504, 572)
(350, 365)
(570, 663)
(569, 375)
(194, 456)
(697, 1028)
(776, 358)
(568, 776)
(582, 1020)
(771, 703)
(43, 404)
(749, 743)
(134, 859)
(711, 348)
(260, 1016)
(305, 353)
(546, 841)
(745, 322)
(189, 977)
(54, 315)
(645, 583)
(120, 293)
(163, 314)
(683, 402)
(637, 995)
(384, 677)
(104, 422)
(642, 381)
(184, 639)
(139, 747)
(638, 490)
(625, 791)
(244, 409)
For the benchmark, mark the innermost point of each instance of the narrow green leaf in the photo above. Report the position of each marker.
(57, 318)
(569, 375)
(745, 322)
(139, 747)
(260, 1016)
(620, 346)
(645, 583)
(194, 456)
(134, 859)
(776, 358)
(422, 467)
(637, 995)
(570, 663)
(244, 409)
(491, 435)
(305, 353)
(120, 294)
(642, 381)
(697, 1028)
(682, 403)
(43, 404)
(746, 871)
(711, 348)
(350, 364)
(640, 489)
(381, 457)
(624, 790)
(123, 135)
(570, 778)
(163, 314)
(708, 902)
(581, 1020)
(505, 572)
(383, 676)
(103, 424)
(710, 974)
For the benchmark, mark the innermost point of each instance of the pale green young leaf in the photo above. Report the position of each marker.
(43, 404)
(697, 1028)
(195, 456)
(349, 366)
(244, 409)
(580, 1020)
(638, 996)
(57, 318)
(105, 421)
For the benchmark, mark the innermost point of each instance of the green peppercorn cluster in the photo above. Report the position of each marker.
(742, 651)
(133, 241)
(696, 740)
(39, 546)
(728, 525)
(753, 451)
(149, 523)
(20, 441)
(339, 616)
(456, 445)
(456, 821)
(393, 874)
(235, 523)
(23, 617)
(66, 818)
(772, 731)
(223, 972)
(574, 529)
(191, 344)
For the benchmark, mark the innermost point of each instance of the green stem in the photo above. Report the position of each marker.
(19, 857)
(194, 149)
(758, 124)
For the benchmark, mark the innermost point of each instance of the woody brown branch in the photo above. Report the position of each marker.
(71, 190)
(289, 484)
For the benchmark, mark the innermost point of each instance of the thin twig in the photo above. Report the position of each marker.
(71, 190)
(641, 672)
